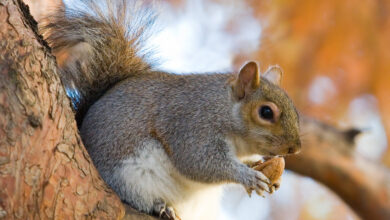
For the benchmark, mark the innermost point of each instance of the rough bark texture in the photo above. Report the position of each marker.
(45, 172)
(328, 156)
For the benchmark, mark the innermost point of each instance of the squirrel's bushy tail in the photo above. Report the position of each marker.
(108, 37)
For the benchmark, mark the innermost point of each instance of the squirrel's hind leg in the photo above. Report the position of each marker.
(163, 211)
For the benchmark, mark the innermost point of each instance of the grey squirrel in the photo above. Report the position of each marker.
(156, 137)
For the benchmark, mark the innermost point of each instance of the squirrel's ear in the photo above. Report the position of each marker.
(248, 80)
(350, 134)
(274, 74)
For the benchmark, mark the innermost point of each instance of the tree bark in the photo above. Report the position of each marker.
(45, 171)
(328, 156)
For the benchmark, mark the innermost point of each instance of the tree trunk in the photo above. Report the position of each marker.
(45, 171)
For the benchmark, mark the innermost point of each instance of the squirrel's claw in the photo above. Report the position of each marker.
(272, 189)
(263, 182)
(260, 176)
(164, 211)
(259, 183)
(169, 214)
(249, 191)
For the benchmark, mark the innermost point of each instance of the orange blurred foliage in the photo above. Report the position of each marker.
(347, 41)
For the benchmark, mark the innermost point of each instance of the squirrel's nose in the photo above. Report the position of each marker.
(295, 147)
(294, 150)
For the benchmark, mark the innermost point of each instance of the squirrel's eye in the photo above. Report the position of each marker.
(266, 113)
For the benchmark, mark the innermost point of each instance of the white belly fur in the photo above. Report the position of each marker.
(151, 174)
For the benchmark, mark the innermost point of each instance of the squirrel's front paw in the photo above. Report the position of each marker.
(258, 182)
(273, 168)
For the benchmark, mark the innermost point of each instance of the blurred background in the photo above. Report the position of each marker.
(335, 56)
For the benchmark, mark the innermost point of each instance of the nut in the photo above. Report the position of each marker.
(272, 168)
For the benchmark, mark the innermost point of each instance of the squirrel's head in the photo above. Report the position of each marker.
(270, 118)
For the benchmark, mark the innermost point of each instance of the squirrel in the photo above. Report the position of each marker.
(156, 137)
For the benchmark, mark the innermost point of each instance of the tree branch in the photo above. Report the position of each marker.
(328, 156)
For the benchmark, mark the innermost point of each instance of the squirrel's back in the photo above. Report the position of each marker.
(158, 100)
(111, 36)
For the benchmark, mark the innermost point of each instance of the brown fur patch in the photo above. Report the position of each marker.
(159, 138)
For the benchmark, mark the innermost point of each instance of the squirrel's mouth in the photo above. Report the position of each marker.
(271, 154)
(281, 151)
